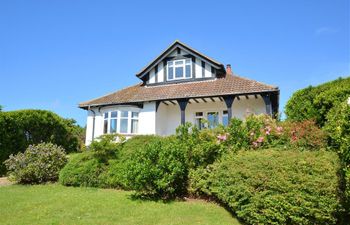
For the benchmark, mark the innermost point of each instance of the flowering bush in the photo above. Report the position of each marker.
(305, 134)
(39, 163)
(262, 131)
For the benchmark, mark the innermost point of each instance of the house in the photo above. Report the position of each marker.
(179, 85)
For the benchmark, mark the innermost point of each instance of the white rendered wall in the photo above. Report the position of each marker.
(168, 117)
(147, 120)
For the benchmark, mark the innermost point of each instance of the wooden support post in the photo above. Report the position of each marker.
(229, 101)
(182, 103)
(267, 100)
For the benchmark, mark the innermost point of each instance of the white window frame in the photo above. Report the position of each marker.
(199, 117)
(118, 118)
(174, 66)
(205, 112)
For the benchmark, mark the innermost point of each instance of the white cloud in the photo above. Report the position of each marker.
(325, 31)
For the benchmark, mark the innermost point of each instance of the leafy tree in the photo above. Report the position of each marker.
(19, 129)
(316, 102)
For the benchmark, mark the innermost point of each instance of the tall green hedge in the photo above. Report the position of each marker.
(276, 187)
(19, 129)
(316, 102)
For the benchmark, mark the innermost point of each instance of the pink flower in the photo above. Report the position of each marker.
(279, 129)
(260, 139)
(268, 130)
(222, 137)
(255, 144)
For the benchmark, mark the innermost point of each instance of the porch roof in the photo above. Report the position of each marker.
(227, 85)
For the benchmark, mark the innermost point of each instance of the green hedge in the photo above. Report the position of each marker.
(82, 169)
(316, 102)
(275, 187)
(19, 129)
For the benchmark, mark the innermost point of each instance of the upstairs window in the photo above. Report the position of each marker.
(179, 69)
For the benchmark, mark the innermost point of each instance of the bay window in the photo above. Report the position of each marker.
(225, 118)
(123, 122)
(179, 69)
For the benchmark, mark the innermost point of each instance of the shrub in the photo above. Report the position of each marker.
(106, 147)
(39, 163)
(114, 175)
(314, 103)
(19, 129)
(135, 143)
(277, 187)
(304, 134)
(202, 147)
(159, 169)
(338, 128)
(82, 169)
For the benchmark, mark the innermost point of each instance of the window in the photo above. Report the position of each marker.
(225, 118)
(199, 120)
(134, 122)
(213, 119)
(105, 123)
(123, 122)
(113, 122)
(179, 69)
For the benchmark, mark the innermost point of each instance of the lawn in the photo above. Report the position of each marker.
(56, 204)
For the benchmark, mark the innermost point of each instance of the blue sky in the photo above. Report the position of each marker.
(55, 54)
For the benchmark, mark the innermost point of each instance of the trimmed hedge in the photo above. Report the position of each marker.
(82, 169)
(19, 129)
(275, 187)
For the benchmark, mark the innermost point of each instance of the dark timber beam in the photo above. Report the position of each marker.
(196, 100)
(172, 102)
(182, 103)
(256, 96)
(221, 99)
(229, 101)
(165, 103)
(203, 99)
(267, 100)
(212, 99)
(157, 105)
(247, 97)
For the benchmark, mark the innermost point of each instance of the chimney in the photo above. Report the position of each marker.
(228, 69)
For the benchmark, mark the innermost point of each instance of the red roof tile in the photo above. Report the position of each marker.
(228, 85)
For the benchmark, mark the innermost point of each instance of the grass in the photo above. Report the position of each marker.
(56, 204)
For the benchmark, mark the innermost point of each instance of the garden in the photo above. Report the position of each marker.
(259, 170)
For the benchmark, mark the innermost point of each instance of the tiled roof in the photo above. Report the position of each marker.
(228, 85)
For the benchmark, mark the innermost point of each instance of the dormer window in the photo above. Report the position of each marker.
(179, 69)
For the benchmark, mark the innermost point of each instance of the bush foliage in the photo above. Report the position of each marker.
(19, 129)
(275, 187)
(315, 102)
(159, 169)
(38, 164)
(82, 169)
